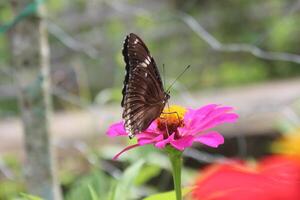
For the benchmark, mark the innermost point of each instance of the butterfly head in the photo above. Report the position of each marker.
(167, 96)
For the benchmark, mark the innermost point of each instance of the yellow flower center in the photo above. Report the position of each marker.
(170, 119)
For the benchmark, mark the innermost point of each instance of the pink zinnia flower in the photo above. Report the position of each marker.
(181, 128)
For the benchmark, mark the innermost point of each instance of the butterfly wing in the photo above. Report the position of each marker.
(135, 52)
(143, 94)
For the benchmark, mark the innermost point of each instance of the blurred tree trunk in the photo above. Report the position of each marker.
(30, 59)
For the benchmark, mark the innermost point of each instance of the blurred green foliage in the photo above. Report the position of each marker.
(29, 197)
(270, 25)
(137, 180)
(124, 185)
(10, 189)
(11, 186)
(96, 180)
(284, 35)
(167, 195)
(102, 25)
(8, 107)
(234, 74)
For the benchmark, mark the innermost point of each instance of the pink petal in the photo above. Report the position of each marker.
(183, 142)
(206, 118)
(205, 110)
(212, 139)
(193, 115)
(225, 118)
(149, 140)
(213, 113)
(152, 127)
(124, 150)
(193, 118)
(116, 129)
(162, 143)
(147, 134)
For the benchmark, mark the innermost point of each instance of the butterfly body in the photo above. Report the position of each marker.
(144, 97)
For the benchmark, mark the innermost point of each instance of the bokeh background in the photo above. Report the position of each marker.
(245, 54)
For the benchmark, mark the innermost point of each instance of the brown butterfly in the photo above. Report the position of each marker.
(144, 97)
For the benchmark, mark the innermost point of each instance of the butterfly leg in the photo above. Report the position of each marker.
(167, 128)
(169, 113)
(166, 125)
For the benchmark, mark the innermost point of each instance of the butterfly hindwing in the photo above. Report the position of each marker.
(143, 94)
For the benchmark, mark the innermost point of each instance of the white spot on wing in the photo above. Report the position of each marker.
(146, 74)
(147, 61)
(143, 64)
(131, 135)
(136, 41)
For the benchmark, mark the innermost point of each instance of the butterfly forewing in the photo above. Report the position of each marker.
(143, 94)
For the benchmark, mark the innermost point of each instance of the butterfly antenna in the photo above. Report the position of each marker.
(178, 77)
(164, 75)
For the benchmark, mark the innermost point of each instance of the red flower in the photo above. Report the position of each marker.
(274, 178)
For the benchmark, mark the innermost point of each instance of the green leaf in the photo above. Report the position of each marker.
(148, 172)
(93, 193)
(147, 152)
(126, 182)
(9, 188)
(111, 194)
(96, 180)
(30, 197)
(29, 10)
(167, 195)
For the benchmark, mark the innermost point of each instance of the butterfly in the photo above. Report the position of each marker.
(143, 93)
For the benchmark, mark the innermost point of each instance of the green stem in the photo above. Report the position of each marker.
(175, 158)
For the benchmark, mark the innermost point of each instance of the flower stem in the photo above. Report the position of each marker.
(175, 158)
